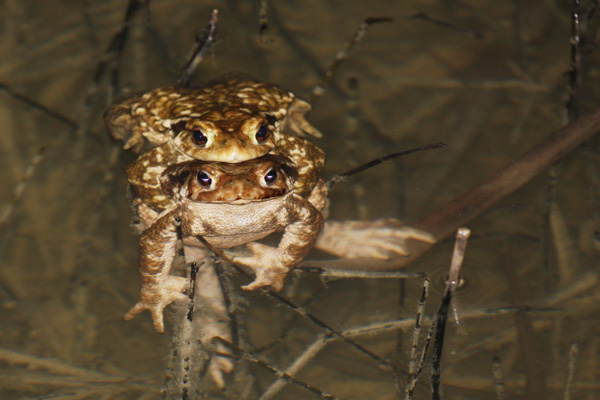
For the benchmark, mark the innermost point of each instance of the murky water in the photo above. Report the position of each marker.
(490, 86)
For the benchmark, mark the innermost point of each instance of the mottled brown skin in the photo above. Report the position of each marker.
(147, 119)
(239, 119)
(236, 220)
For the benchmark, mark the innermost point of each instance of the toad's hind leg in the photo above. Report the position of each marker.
(375, 239)
(159, 288)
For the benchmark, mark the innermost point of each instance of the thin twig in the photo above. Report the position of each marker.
(109, 61)
(377, 161)
(308, 354)
(423, 356)
(226, 290)
(565, 251)
(19, 188)
(573, 353)
(104, 187)
(55, 367)
(351, 127)
(330, 273)
(263, 17)
(190, 359)
(274, 370)
(426, 17)
(319, 89)
(522, 85)
(115, 50)
(38, 106)
(549, 277)
(460, 245)
(289, 323)
(498, 378)
(197, 54)
(412, 365)
(530, 349)
(183, 343)
(399, 345)
(574, 73)
(192, 291)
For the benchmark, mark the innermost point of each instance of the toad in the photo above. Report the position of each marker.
(228, 205)
(232, 121)
(235, 204)
(145, 120)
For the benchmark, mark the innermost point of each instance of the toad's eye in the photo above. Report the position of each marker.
(198, 137)
(262, 134)
(271, 176)
(204, 179)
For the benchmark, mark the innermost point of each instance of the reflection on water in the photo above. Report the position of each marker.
(69, 266)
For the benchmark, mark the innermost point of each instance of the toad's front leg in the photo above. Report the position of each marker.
(302, 224)
(159, 289)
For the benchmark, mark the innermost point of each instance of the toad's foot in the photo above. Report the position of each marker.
(155, 296)
(126, 126)
(144, 216)
(376, 239)
(211, 315)
(220, 365)
(266, 264)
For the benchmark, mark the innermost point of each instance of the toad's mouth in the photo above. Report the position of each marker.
(238, 196)
(227, 151)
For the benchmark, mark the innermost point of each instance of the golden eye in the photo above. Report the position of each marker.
(198, 137)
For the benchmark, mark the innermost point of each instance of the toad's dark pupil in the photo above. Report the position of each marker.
(198, 137)
(271, 176)
(262, 133)
(204, 179)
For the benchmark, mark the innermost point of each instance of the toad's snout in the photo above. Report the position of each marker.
(241, 189)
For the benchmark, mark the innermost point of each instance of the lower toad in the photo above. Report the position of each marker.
(228, 205)
(236, 204)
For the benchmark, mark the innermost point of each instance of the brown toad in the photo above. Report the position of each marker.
(231, 121)
(235, 204)
(146, 120)
(228, 205)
